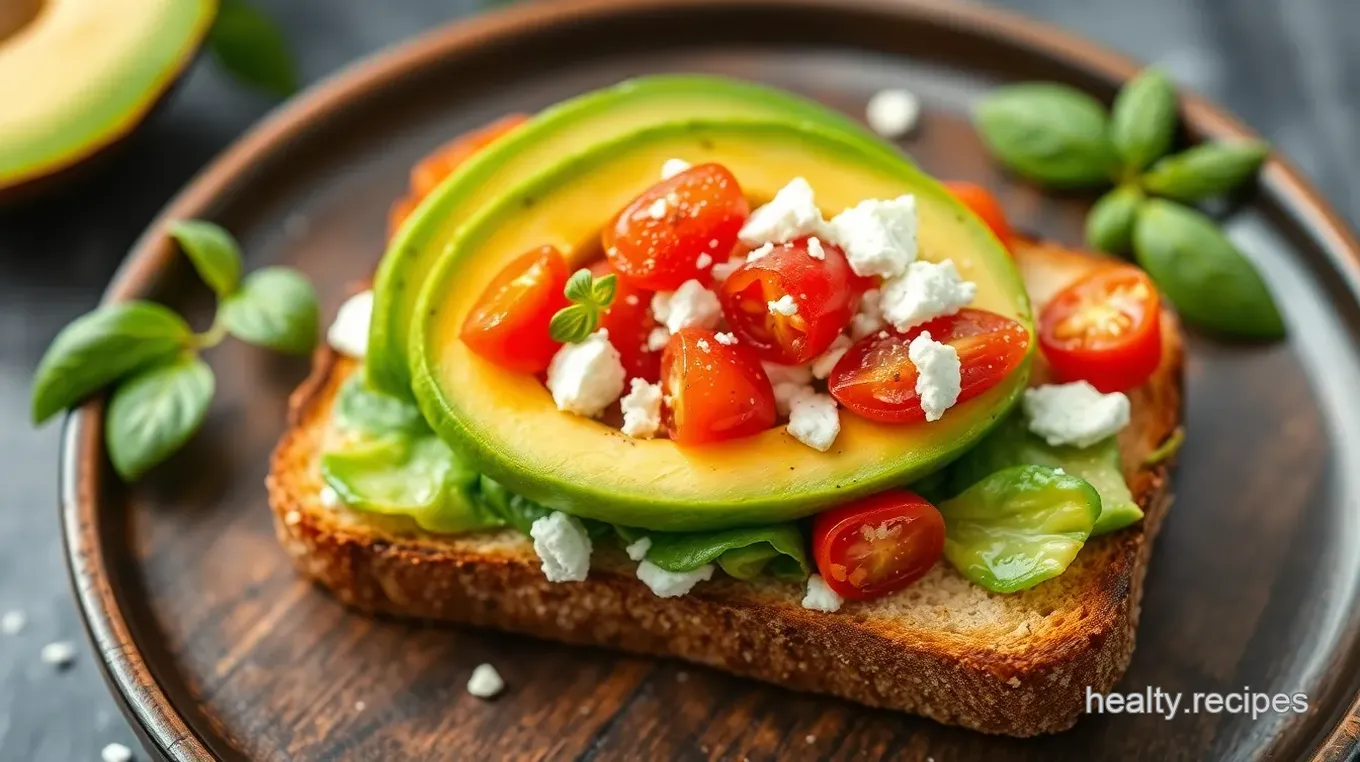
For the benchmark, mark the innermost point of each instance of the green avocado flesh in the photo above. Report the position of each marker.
(82, 73)
(550, 138)
(506, 426)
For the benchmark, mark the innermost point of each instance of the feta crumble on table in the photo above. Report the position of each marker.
(869, 318)
(784, 305)
(820, 596)
(667, 584)
(893, 112)
(723, 270)
(878, 236)
(813, 420)
(938, 377)
(926, 291)
(658, 338)
(691, 305)
(564, 547)
(59, 654)
(485, 681)
(1075, 414)
(349, 333)
(637, 550)
(726, 339)
(673, 167)
(815, 248)
(792, 213)
(115, 752)
(826, 361)
(586, 378)
(642, 409)
(12, 623)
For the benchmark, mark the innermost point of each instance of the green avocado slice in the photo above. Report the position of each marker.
(506, 425)
(550, 138)
(79, 75)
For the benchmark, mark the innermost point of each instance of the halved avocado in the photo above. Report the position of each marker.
(77, 75)
(550, 138)
(505, 423)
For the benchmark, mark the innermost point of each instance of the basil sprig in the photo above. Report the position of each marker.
(250, 47)
(1057, 136)
(149, 355)
(590, 298)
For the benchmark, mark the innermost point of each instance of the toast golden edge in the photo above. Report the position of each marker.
(1029, 684)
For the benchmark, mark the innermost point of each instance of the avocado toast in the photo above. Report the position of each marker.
(426, 513)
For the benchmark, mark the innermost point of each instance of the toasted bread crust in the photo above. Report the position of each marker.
(1021, 683)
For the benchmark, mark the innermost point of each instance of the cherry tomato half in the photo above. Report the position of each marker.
(1105, 329)
(984, 205)
(509, 323)
(877, 379)
(677, 229)
(630, 322)
(715, 391)
(877, 545)
(823, 291)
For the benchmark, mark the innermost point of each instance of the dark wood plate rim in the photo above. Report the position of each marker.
(159, 723)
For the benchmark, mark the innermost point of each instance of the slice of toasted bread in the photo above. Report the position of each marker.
(944, 648)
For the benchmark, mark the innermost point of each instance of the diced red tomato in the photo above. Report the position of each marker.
(877, 379)
(509, 323)
(677, 229)
(824, 292)
(877, 545)
(1105, 329)
(630, 322)
(715, 391)
(984, 205)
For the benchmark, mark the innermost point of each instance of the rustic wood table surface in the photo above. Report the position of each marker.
(1287, 67)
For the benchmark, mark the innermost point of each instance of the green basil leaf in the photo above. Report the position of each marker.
(1143, 122)
(212, 251)
(518, 511)
(252, 48)
(687, 551)
(1018, 527)
(1109, 226)
(359, 408)
(1202, 273)
(572, 325)
(153, 413)
(602, 292)
(275, 307)
(101, 347)
(578, 288)
(1206, 170)
(1050, 133)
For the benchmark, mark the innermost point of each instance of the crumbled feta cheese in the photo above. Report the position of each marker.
(703, 260)
(1075, 414)
(784, 305)
(792, 213)
(59, 654)
(892, 113)
(563, 545)
(642, 409)
(723, 270)
(687, 306)
(878, 237)
(485, 681)
(329, 497)
(703, 344)
(637, 550)
(938, 378)
(760, 252)
(815, 249)
(813, 420)
(787, 374)
(586, 378)
(116, 752)
(927, 290)
(785, 392)
(631, 300)
(826, 361)
(820, 596)
(726, 339)
(658, 338)
(667, 584)
(673, 167)
(869, 318)
(657, 210)
(12, 623)
(349, 333)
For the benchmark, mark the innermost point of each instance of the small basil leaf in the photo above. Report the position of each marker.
(602, 292)
(1202, 273)
(687, 551)
(275, 307)
(1052, 134)
(153, 413)
(1206, 170)
(572, 325)
(516, 510)
(212, 251)
(101, 347)
(1109, 226)
(252, 48)
(578, 288)
(1143, 122)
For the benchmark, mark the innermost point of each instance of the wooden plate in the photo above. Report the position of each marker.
(218, 650)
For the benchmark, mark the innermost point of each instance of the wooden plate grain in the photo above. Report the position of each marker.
(219, 651)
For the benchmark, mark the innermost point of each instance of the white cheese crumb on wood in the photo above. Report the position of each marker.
(893, 113)
(485, 682)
